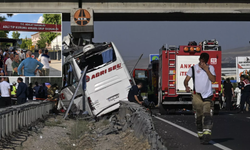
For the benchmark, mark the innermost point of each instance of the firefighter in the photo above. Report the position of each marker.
(245, 90)
(203, 75)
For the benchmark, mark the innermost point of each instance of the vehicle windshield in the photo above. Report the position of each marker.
(98, 59)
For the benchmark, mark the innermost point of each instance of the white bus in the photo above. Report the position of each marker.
(107, 79)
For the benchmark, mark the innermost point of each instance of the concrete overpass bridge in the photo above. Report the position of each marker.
(139, 10)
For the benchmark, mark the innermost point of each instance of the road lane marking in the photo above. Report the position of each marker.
(192, 133)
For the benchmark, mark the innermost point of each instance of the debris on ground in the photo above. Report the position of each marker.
(79, 134)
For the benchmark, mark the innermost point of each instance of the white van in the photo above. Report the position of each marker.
(108, 80)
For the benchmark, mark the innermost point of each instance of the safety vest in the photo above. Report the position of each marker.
(13, 92)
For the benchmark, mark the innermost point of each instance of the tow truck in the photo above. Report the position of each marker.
(174, 62)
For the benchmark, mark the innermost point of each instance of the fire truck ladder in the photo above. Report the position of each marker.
(172, 67)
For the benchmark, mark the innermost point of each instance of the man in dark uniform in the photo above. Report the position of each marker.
(228, 91)
(134, 93)
(21, 93)
(245, 92)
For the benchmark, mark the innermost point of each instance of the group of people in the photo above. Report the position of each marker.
(10, 91)
(242, 91)
(12, 95)
(13, 63)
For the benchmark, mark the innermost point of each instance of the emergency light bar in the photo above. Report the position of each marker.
(192, 49)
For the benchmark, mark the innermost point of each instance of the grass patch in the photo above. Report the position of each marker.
(78, 129)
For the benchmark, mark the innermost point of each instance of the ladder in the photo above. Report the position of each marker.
(171, 53)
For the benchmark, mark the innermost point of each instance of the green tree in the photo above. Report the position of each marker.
(15, 35)
(51, 19)
(42, 42)
(3, 34)
(23, 45)
(28, 43)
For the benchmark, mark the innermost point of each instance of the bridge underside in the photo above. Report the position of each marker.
(140, 11)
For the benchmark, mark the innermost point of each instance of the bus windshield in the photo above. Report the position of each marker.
(98, 59)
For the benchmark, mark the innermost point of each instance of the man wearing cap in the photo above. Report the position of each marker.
(30, 66)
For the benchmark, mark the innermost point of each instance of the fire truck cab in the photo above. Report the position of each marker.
(174, 62)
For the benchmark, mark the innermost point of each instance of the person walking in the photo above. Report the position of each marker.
(22, 55)
(45, 60)
(15, 65)
(8, 65)
(30, 65)
(30, 92)
(21, 93)
(203, 75)
(245, 90)
(5, 92)
(228, 91)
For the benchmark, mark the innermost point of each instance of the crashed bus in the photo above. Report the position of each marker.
(107, 79)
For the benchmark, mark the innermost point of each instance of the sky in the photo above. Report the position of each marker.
(135, 38)
(31, 18)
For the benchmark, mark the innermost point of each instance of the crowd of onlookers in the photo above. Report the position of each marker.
(19, 63)
(242, 91)
(15, 95)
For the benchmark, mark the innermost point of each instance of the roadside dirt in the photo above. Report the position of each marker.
(73, 134)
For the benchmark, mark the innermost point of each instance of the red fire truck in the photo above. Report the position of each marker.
(173, 65)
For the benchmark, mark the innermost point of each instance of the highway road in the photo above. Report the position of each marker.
(231, 131)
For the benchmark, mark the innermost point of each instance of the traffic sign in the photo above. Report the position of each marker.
(153, 57)
(82, 17)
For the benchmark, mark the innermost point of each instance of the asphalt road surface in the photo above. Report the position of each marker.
(231, 130)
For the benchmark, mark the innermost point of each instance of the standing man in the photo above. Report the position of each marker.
(203, 75)
(245, 90)
(8, 65)
(134, 93)
(40, 52)
(22, 55)
(30, 65)
(15, 65)
(45, 60)
(228, 91)
(5, 92)
(13, 92)
(21, 93)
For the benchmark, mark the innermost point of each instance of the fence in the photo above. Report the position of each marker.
(14, 118)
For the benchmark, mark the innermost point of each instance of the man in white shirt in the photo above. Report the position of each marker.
(45, 60)
(204, 75)
(40, 52)
(22, 55)
(5, 93)
(8, 65)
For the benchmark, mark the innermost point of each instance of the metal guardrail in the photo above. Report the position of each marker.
(14, 118)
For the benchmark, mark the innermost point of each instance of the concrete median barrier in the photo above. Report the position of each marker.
(14, 118)
(137, 118)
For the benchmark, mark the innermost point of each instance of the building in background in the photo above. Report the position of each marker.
(36, 37)
(56, 44)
